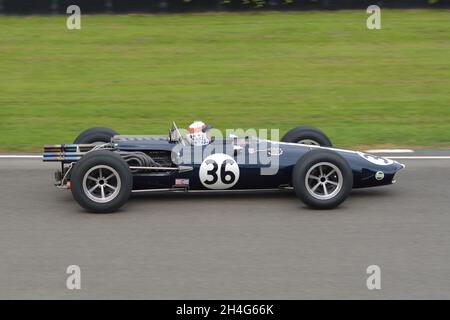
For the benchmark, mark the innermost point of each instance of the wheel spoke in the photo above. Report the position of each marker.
(325, 191)
(103, 191)
(92, 178)
(330, 173)
(110, 186)
(316, 186)
(313, 177)
(94, 187)
(109, 177)
(100, 173)
(321, 170)
(332, 182)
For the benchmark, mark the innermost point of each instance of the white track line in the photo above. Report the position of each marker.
(419, 158)
(12, 156)
(390, 151)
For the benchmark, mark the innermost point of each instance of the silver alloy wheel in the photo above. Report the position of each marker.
(324, 180)
(98, 143)
(101, 184)
(309, 142)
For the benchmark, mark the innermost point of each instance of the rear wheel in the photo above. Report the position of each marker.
(322, 179)
(101, 182)
(307, 135)
(95, 136)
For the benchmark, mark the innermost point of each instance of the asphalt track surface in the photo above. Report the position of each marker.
(226, 246)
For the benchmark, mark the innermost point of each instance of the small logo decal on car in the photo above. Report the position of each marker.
(181, 182)
(379, 175)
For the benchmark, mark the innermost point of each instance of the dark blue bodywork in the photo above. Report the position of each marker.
(364, 166)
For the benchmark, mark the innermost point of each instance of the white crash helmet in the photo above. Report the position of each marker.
(198, 133)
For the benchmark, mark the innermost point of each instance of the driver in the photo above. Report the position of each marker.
(199, 133)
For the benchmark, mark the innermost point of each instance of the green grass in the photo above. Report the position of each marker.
(137, 73)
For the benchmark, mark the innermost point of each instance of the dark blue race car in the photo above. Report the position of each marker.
(103, 168)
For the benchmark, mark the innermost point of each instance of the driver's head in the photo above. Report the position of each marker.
(199, 133)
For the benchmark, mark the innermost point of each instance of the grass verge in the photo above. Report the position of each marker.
(137, 73)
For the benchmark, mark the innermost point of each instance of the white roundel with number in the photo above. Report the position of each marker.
(376, 160)
(219, 171)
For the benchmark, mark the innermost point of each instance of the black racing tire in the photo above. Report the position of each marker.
(95, 135)
(319, 163)
(110, 163)
(303, 133)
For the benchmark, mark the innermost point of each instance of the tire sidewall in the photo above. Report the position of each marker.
(94, 135)
(303, 133)
(93, 159)
(310, 159)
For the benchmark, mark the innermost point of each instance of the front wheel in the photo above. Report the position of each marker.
(322, 179)
(101, 181)
(307, 135)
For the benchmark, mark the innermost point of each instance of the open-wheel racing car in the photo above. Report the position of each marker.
(103, 168)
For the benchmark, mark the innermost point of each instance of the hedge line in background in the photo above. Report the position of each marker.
(161, 6)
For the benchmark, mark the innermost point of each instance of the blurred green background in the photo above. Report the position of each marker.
(137, 73)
